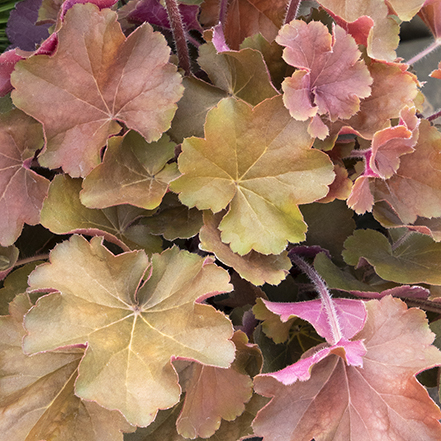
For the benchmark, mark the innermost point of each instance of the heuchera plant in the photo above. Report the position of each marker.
(182, 184)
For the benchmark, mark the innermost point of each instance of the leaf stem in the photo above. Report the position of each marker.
(324, 295)
(434, 116)
(292, 10)
(425, 52)
(178, 31)
(31, 259)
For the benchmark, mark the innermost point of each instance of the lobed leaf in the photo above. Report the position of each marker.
(38, 400)
(416, 260)
(133, 327)
(133, 172)
(382, 400)
(254, 267)
(258, 162)
(63, 213)
(330, 79)
(97, 77)
(22, 191)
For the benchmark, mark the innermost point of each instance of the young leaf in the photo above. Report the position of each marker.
(133, 172)
(22, 191)
(255, 267)
(417, 260)
(133, 328)
(331, 78)
(259, 163)
(38, 400)
(97, 77)
(63, 213)
(382, 400)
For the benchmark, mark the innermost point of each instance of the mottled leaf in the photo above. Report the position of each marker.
(255, 267)
(97, 77)
(133, 172)
(21, 190)
(258, 162)
(382, 400)
(240, 73)
(415, 260)
(133, 327)
(38, 400)
(63, 213)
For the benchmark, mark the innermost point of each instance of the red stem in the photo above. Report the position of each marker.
(292, 11)
(177, 27)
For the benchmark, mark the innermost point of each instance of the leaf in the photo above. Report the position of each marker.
(95, 78)
(430, 14)
(153, 12)
(249, 17)
(213, 394)
(22, 191)
(199, 97)
(133, 328)
(254, 267)
(21, 29)
(383, 159)
(393, 89)
(38, 400)
(318, 87)
(15, 283)
(411, 192)
(383, 400)
(258, 162)
(63, 213)
(133, 172)
(416, 260)
(8, 258)
(351, 315)
(380, 32)
(242, 74)
(173, 220)
(335, 278)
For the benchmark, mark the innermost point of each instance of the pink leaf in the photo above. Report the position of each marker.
(351, 315)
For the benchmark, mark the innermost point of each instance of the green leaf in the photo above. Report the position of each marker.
(416, 260)
(133, 327)
(64, 213)
(254, 267)
(258, 163)
(133, 172)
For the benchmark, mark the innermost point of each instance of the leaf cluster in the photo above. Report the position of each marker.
(181, 186)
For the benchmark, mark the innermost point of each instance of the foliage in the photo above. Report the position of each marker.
(178, 183)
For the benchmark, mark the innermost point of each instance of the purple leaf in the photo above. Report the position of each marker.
(22, 30)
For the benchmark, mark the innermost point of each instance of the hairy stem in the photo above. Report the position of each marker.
(178, 31)
(292, 10)
(424, 52)
(325, 296)
(31, 259)
(434, 116)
